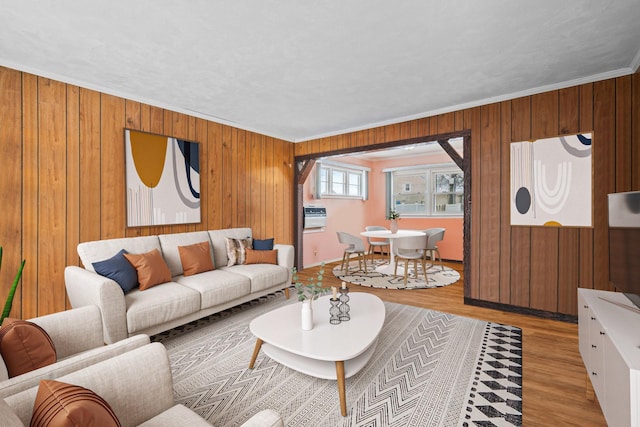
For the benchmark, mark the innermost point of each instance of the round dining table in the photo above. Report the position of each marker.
(387, 234)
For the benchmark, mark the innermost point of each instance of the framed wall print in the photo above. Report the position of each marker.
(162, 180)
(551, 181)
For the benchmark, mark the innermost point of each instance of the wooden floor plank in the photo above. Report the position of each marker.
(554, 377)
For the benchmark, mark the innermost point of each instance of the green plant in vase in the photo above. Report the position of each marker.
(312, 288)
(12, 291)
(393, 216)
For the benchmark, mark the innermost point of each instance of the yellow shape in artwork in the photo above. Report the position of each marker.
(148, 152)
(552, 224)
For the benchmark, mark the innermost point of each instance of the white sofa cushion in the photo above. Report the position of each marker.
(170, 243)
(216, 286)
(262, 276)
(100, 250)
(159, 304)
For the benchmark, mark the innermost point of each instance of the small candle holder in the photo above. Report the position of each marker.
(334, 311)
(344, 305)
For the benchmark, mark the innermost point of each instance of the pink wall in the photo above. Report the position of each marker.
(353, 215)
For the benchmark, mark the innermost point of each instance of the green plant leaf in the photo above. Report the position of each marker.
(12, 291)
(312, 288)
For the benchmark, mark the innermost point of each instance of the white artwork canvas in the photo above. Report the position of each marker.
(162, 178)
(551, 181)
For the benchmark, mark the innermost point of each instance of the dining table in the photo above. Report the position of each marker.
(387, 268)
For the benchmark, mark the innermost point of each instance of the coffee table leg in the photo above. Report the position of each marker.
(341, 390)
(256, 350)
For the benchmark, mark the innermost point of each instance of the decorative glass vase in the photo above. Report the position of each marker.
(334, 311)
(307, 315)
(344, 305)
(394, 226)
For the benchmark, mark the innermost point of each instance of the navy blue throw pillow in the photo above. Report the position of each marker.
(263, 245)
(119, 269)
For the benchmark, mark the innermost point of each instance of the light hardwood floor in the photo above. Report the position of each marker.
(554, 377)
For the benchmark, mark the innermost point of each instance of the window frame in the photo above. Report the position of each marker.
(349, 171)
(430, 172)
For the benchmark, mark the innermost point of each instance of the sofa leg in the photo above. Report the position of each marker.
(286, 293)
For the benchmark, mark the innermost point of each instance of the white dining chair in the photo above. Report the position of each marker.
(355, 246)
(434, 235)
(382, 244)
(410, 249)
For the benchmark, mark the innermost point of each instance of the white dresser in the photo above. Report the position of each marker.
(609, 337)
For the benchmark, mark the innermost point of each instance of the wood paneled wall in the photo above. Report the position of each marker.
(62, 179)
(536, 268)
(62, 182)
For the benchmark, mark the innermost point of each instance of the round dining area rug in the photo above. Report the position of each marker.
(436, 275)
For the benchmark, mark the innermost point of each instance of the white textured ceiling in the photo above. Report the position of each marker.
(297, 69)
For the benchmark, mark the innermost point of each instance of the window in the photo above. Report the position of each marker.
(409, 190)
(429, 190)
(448, 192)
(341, 180)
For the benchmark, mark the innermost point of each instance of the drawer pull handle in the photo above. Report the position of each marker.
(585, 306)
(594, 373)
(593, 318)
(601, 333)
(594, 346)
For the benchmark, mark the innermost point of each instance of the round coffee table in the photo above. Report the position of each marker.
(333, 352)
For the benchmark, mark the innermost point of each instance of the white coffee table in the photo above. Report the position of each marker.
(333, 352)
(388, 269)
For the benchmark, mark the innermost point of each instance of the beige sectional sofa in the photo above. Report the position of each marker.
(77, 335)
(137, 385)
(185, 298)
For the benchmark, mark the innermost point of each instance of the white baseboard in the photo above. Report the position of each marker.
(319, 263)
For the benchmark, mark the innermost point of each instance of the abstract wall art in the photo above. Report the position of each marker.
(162, 180)
(551, 181)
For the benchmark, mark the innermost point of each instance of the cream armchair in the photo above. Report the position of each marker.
(137, 385)
(77, 335)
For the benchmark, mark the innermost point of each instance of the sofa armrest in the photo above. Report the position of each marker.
(176, 416)
(73, 331)
(85, 287)
(285, 257)
(63, 367)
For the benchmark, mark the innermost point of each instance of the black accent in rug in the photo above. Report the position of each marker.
(429, 369)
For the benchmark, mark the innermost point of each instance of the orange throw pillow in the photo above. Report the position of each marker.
(195, 258)
(59, 404)
(261, 257)
(151, 268)
(25, 347)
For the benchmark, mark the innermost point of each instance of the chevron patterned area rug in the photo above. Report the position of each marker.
(429, 369)
(436, 275)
